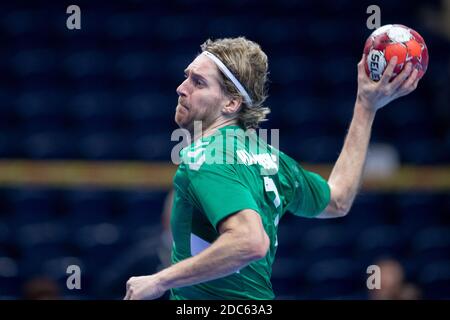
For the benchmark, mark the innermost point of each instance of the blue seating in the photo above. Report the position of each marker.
(108, 92)
(6, 207)
(128, 26)
(290, 232)
(288, 279)
(446, 155)
(104, 146)
(326, 242)
(380, 240)
(143, 66)
(279, 32)
(142, 208)
(5, 233)
(417, 211)
(32, 205)
(41, 110)
(101, 234)
(19, 22)
(333, 278)
(435, 280)
(306, 118)
(83, 64)
(29, 236)
(8, 114)
(432, 243)
(87, 207)
(98, 244)
(290, 70)
(420, 151)
(150, 108)
(140, 259)
(38, 61)
(33, 258)
(370, 209)
(157, 147)
(9, 277)
(50, 145)
(336, 74)
(10, 147)
(95, 111)
(130, 54)
(323, 149)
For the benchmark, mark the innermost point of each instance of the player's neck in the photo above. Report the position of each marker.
(213, 127)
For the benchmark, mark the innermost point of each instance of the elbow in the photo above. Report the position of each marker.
(342, 207)
(342, 210)
(339, 207)
(334, 210)
(340, 202)
(257, 246)
(262, 247)
(247, 237)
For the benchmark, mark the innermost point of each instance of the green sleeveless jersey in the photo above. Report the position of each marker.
(220, 175)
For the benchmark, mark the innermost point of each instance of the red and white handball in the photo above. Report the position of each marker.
(394, 40)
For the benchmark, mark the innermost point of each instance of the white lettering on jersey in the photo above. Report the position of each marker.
(265, 160)
(195, 166)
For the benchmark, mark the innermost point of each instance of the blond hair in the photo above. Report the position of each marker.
(248, 63)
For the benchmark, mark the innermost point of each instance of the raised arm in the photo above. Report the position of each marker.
(345, 178)
(242, 240)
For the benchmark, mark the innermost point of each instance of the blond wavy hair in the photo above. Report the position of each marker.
(248, 63)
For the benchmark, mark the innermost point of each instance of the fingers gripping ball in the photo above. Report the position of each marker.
(394, 40)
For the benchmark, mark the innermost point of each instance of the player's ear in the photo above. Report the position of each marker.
(232, 105)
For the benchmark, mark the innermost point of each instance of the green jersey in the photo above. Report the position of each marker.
(223, 174)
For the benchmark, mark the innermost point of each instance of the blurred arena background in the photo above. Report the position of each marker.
(85, 123)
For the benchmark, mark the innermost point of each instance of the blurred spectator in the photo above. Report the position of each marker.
(393, 285)
(382, 161)
(41, 288)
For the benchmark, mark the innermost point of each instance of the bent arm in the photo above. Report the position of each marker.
(346, 175)
(345, 178)
(242, 240)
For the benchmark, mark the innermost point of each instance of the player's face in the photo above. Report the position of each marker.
(200, 96)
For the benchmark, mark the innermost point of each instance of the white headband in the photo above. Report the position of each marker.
(230, 76)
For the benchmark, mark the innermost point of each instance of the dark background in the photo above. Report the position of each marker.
(107, 92)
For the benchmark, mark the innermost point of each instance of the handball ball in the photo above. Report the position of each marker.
(394, 40)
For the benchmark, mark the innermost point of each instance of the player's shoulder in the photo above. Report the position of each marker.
(207, 153)
(232, 148)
